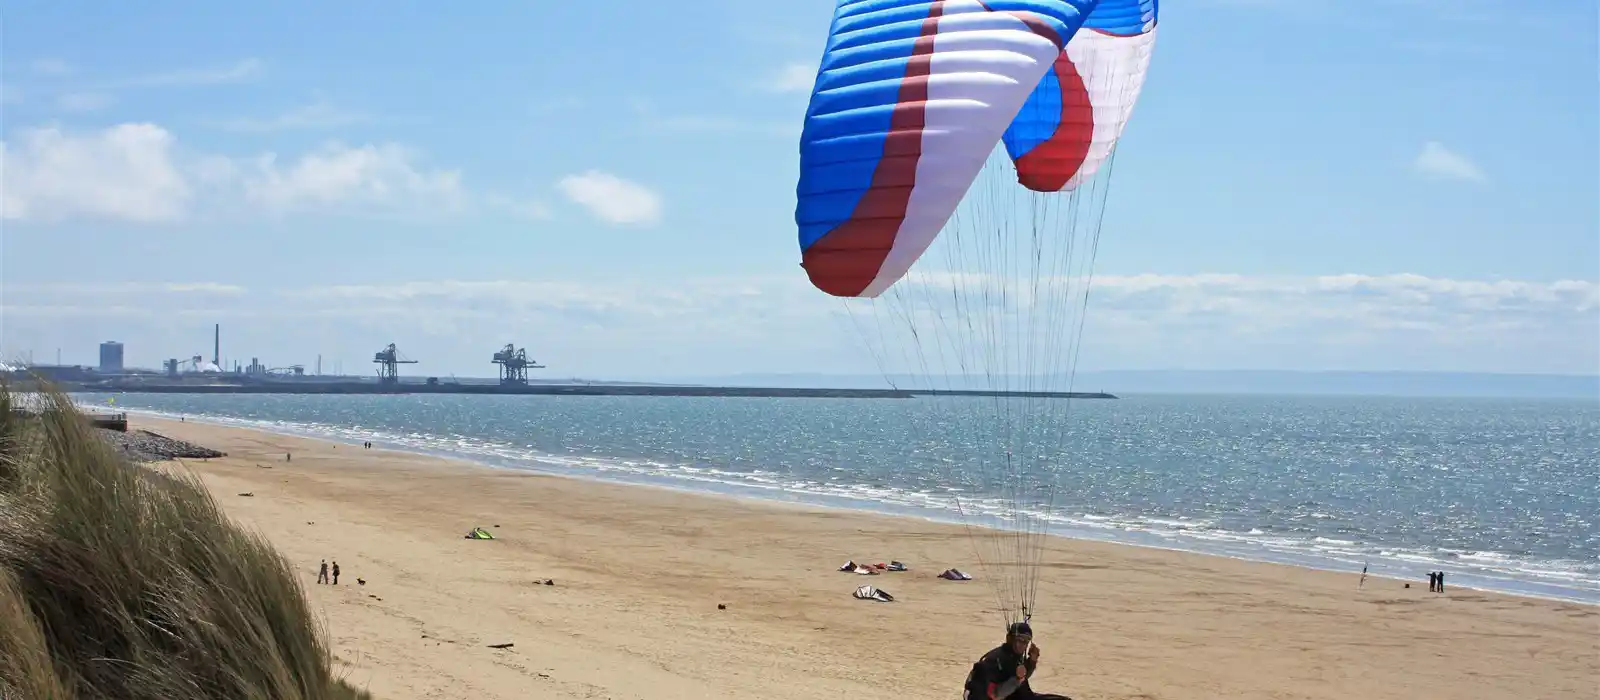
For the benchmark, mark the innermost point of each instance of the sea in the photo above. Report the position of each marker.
(1500, 494)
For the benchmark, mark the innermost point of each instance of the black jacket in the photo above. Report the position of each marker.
(995, 668)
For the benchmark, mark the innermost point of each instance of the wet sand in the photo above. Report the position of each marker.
(639, 574)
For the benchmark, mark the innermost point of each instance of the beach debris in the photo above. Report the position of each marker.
(549, 582)
(955, 575)
(863, 569)
(361, 581)
(479, 533)
(506, 645)
(722, 606)
(248, 494)
(871, 569)
(870, 593)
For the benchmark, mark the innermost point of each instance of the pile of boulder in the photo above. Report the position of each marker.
(145, 446)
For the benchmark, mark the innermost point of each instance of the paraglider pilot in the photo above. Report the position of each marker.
(1002, 674)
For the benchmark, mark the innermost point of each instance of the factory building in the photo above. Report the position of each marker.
(111, 357)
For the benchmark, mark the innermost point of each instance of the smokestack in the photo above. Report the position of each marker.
(216, 347)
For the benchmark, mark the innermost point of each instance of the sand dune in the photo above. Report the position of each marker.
(639, 574)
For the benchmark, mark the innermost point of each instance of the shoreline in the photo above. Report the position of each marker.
(1463, 579)
(667, 595)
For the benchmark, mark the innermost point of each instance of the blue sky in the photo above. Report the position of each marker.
(612, 186)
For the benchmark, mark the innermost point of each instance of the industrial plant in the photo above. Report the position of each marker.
(197, 374)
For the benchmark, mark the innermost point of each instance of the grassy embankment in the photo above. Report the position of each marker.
(117, 581)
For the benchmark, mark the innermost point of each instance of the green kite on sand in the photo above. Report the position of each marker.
(479, 533)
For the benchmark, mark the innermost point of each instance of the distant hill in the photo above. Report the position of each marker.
(1122, 382)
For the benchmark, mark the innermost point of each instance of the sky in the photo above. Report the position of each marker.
(1305, 185)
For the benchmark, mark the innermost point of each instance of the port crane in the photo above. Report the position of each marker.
(514, 365)
(389, 360)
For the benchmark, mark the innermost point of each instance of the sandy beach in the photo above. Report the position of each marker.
(639, 573)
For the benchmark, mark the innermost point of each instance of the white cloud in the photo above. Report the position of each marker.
(51, 66)
(1280, 299)
(138, 173)
(1228, 302)
(121, 289)
(338, 176)
(127, 172)
(83, 101)
(317, 115)
(611, 198)
(1437, 303)
(793, 77)
(1437, 162)
(88, 97)
(236, 72)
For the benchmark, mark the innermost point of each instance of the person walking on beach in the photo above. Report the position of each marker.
(336, 572)
(1433, 581)
(1363, 582)
(1441, 582)
(322, 572)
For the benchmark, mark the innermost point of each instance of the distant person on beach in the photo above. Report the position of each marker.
(1363, 582)
(1441, 582)
(1433, 581)
(322, 573)
(336, 572)
(1004, 671)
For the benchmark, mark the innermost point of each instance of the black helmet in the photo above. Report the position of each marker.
(1019, 629)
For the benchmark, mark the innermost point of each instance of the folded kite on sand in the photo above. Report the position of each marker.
(872, 569)
(870, 593)
(479, 533)
(854, 568)
(955, 575)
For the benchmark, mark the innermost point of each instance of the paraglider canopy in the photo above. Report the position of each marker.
(910, 98)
